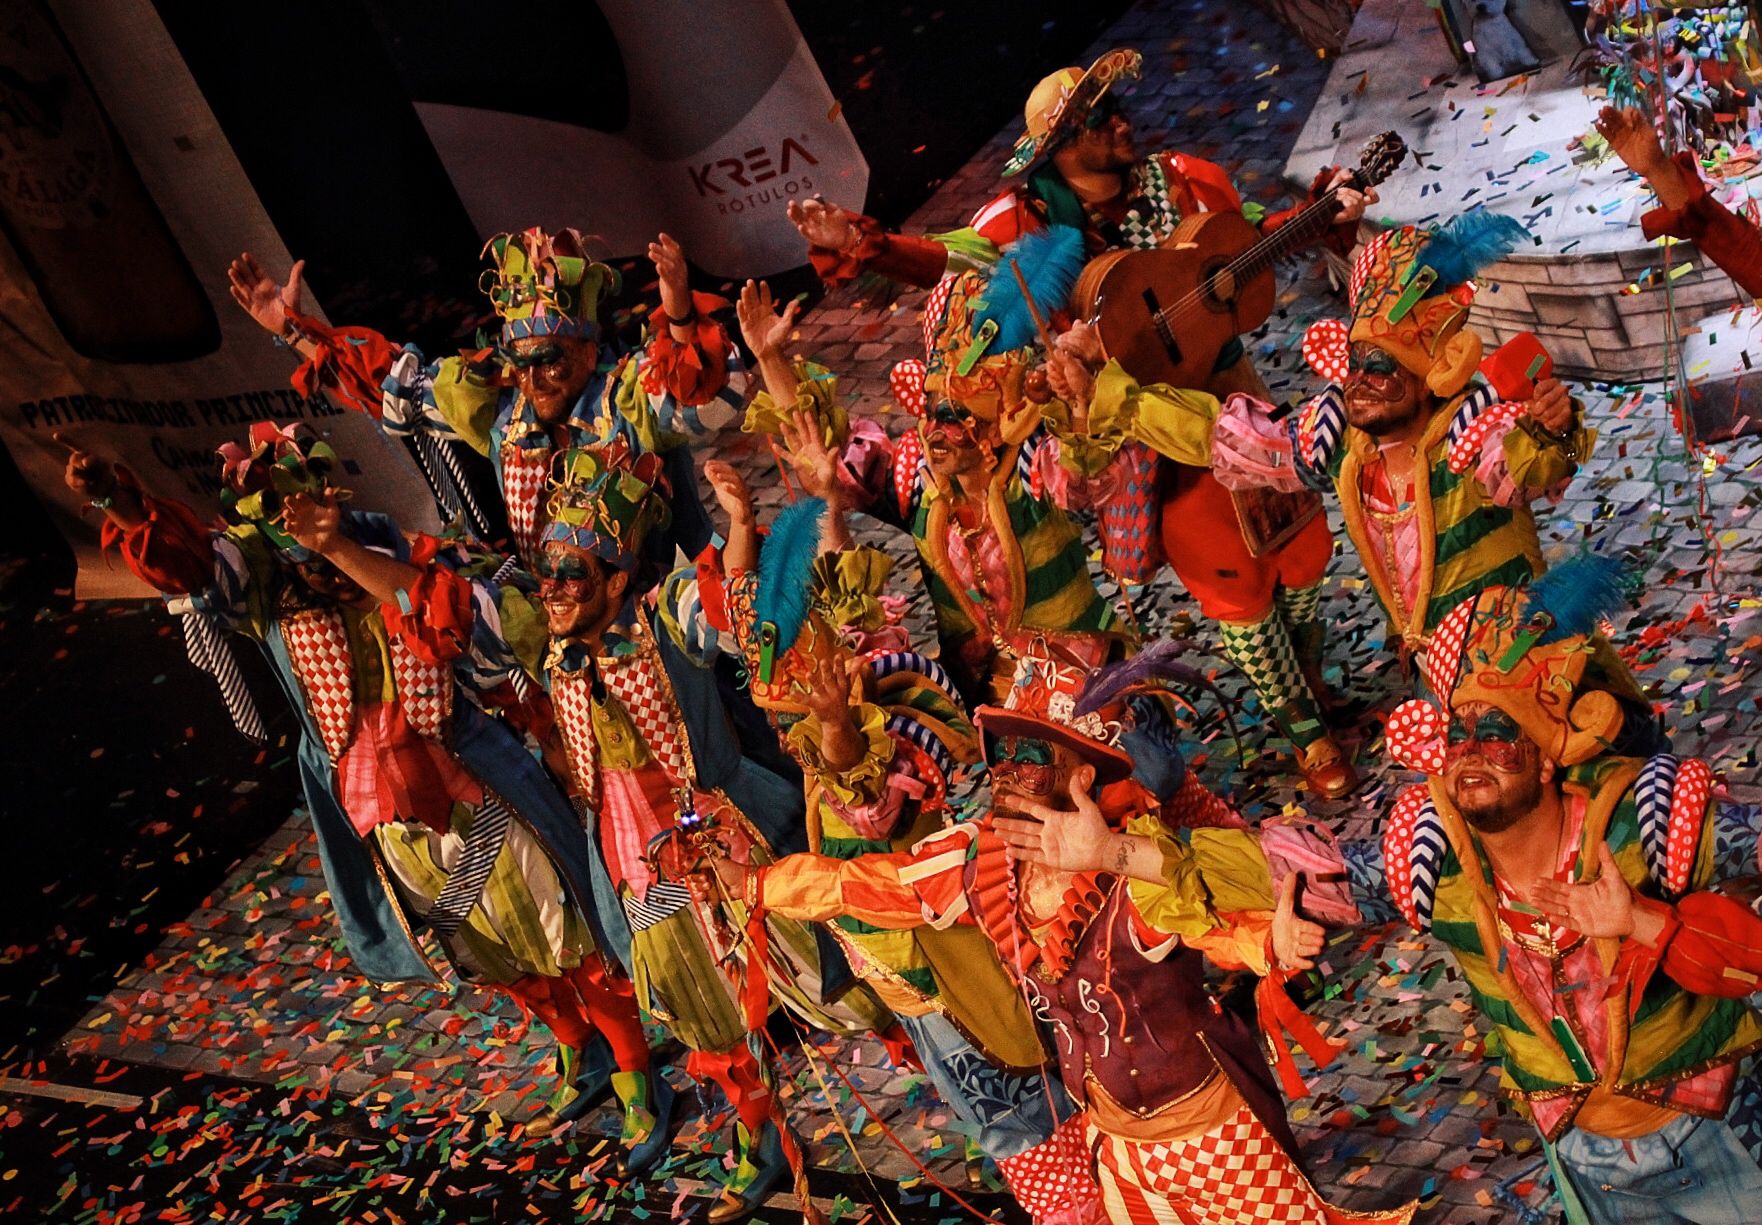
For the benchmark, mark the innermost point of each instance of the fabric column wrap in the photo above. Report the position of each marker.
(489, 829)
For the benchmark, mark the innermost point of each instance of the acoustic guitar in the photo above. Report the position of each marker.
(1167, 313)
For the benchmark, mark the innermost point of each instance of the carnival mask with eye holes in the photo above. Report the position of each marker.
(783, 679)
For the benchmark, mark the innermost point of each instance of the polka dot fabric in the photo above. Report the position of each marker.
(907, 383)
(1688, 814)
(1365, 264)
(1052, 1179)
(1415, 736)
(1443, 663)
(1325, 348)
(1465, 449)
(908, 463)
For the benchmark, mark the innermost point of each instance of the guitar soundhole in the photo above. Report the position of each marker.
(1220, 286)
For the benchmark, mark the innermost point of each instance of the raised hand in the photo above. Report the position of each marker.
(88, 475)
(730, 488)
(1604, 907)
(315, 523)
(1631, 135)
(1550, 406)
(1071, 840)
(815, 464)
(828, 695)
(1072, 382)
(822, 224)
(765, 329)
(1296, 940)
(258, 294)
(668, 258)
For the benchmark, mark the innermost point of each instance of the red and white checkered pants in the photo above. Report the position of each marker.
(1234, 1174)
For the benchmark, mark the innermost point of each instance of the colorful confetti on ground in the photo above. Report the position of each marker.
(239, 1071)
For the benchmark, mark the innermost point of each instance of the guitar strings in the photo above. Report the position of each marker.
(1245, 260)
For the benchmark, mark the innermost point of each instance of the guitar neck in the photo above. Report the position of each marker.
(1299, 232)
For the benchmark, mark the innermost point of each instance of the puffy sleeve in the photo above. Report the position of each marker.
(862, 788)
(1722, 236)
(910, 259)
(693, 373)
(1173, 422)
(1510, 455)
(867, 456)
(451, 398)
(925, 886)
(349, 364)
(229, 574)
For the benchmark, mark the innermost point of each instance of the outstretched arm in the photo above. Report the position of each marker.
(315, 523)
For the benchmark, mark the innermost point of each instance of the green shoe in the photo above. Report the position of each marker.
(647, 1118)
(567, 1100)
(762, 1164)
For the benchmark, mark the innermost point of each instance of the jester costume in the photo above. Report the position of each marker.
(1181, 1121)
(540, 285)
(1005, 566)
(969, 1025)
(1468, 525)
(1625, 1056)
(427, 811)
(656, 750)
(1262, 587)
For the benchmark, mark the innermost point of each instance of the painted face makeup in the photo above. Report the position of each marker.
(1494, 734)
(1025, 766)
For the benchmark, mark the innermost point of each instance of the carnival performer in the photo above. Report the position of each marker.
(1576, 888)
(882, 740)
(1437, 471)
(1685, 209)
(975, 486)
(555, 379)
(1105, 918)
(661, 759)
(427, 811)
(1253, 560)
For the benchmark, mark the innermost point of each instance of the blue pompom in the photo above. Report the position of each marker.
(1577, 594)
(1460, 248)
(1050, 260)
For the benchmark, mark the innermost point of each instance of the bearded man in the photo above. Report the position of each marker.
(1576, 888)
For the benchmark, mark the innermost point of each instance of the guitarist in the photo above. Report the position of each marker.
(1077, 165)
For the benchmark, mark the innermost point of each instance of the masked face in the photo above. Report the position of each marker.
(326, 582)
(1101, 144)
(552, 371)
(579, 591)
(956, 443)
(1381, 394)
(1492, 770)
(1035, 769)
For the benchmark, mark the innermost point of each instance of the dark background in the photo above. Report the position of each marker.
(129, 796)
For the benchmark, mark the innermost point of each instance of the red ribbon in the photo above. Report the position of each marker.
(1279, 1012)
(755, 992)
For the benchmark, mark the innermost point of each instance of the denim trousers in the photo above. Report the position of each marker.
(1010, 1113)
(1693, 1171)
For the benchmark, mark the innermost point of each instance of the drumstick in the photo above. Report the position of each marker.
(1033, 309)
(73, 447)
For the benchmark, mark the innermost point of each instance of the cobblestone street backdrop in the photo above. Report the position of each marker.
(253, 989)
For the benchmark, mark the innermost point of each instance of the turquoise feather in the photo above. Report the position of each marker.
(1050, 260)
(1462, 246)
(786, 569)
(1578, 593)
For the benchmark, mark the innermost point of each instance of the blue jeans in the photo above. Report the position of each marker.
(1693, 1171)
(1011, 1113)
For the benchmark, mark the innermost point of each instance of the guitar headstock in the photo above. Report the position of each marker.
(1381, 156)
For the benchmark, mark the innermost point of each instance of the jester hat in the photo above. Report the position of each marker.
(607, 501)
(274, 463)
(1523, 650)
(545, 284)
(1410, 292)
(979, 333)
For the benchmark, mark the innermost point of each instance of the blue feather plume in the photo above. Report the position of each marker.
(1578, 594)
(1465, 244)
(1050, 260)
(786, 566)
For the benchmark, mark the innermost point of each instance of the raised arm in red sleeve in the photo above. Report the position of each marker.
(171, 550)
(1728, 240)
(350, 364)
(694, 372)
